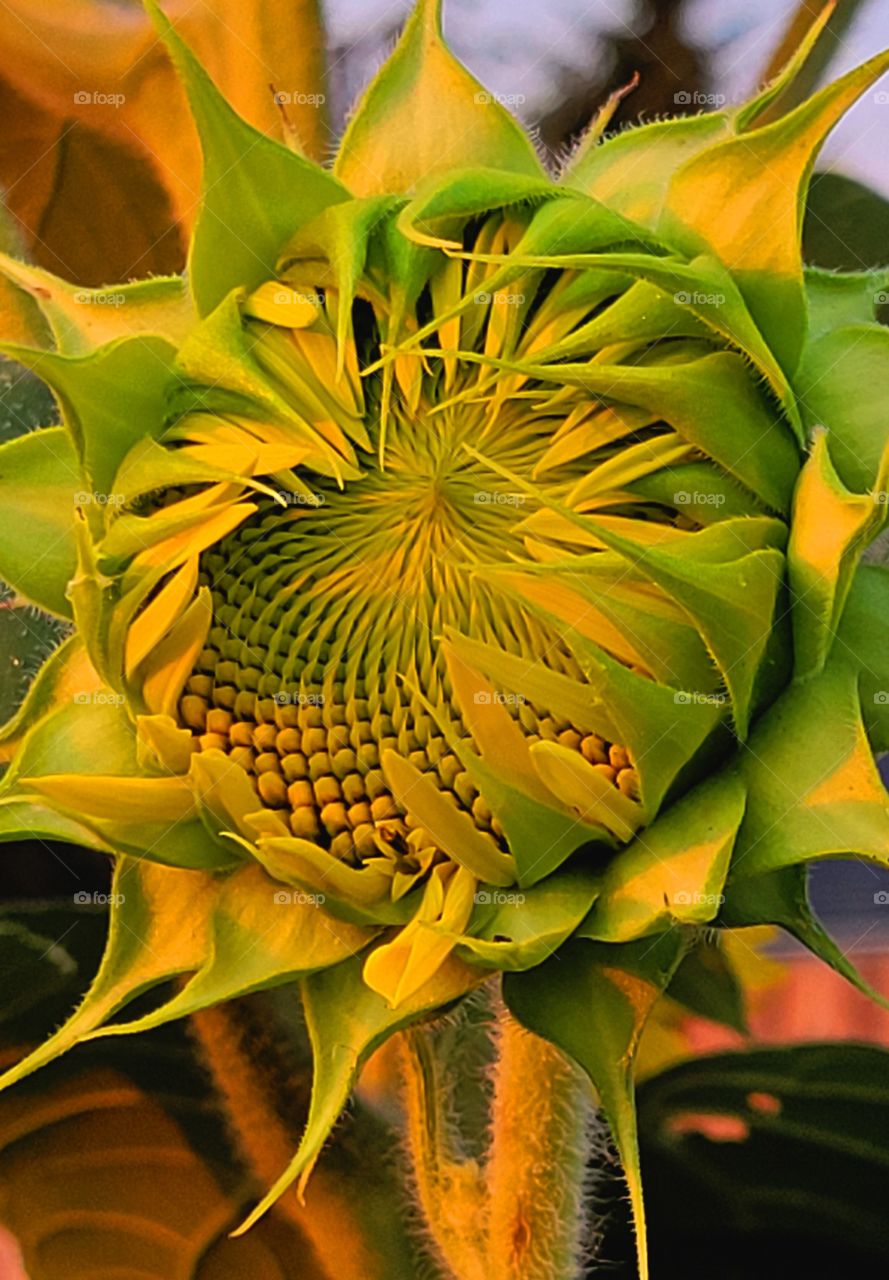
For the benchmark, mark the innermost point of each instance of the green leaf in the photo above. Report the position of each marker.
(82, 319)
(846, 227)
(39, 477)
(809, 1157)
(675, 870)
(518, 929)
(424, 113)
(843, 384)
(716, 200)
(346, 1022)
(109, 399)
(260, 935)
(256, 192)
(781, 898)
(158, 929)
(592, 1001)
(813, 787)
(706, 984)
(862, 640)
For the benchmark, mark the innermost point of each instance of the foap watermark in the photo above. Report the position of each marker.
(99, 899)
(486, 99)
(697, 298)
(488, 697)
(287, 499)
(697, 98)
(685, 499)
(497, 898)
(499, 299)
(683, 698)
(84, 499)
(497, 499)
(98, 98)
(685, 899)
(283, 98)
(285, 699)
(99, 698)
(309, 297)
(100, 298)
(296, 898)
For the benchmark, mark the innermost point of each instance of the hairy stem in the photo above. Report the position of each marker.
(520, 1213)
(538, 1160)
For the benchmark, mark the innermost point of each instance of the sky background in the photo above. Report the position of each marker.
(524, 47)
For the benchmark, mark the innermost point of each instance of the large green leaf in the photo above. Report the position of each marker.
(773, 1142)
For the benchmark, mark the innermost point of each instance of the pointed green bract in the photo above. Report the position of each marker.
(255, 191)
(423, 114)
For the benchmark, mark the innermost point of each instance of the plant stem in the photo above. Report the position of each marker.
(538, 1160)
(520, 1214)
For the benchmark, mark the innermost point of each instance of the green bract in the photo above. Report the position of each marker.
(465, 572)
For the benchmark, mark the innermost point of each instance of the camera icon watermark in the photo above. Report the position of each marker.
(99, 698)
(484, 497)
(881, 898)
(696, 298)
(493, 697)
(696, 98)
(685, 499)
(95, 98)
(686, 899)
(100, 298)
(485, 99)
(683, 697)
(296, 898)
(286, 99)
(84, 499)
(881, 98)
(285, 699)
(881, 298)
(881, 698)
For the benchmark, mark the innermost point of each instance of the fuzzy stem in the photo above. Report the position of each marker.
(250, 1076)
(538, 1160)
(521, 1215)
(449, 1189)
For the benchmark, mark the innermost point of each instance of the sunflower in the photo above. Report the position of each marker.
(463, 569)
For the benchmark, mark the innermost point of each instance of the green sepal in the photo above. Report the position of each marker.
(259, 935)
(704, 492)
(145, 946)
(829, 530)
(518, 929)
(424, 113)
(82, 319)
(710, 401)
(840, 298)
(58, 677)
(730, 591)
(443, 205)
(716, 201)
(346, 1022)
(255, 192)
(781, 898)
(675, 871)
(843, 384)
(109, 399)
(862, 641)
(706, 985)
(813, 788)
(39, 477)
(592, 1000)
(29, 817)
